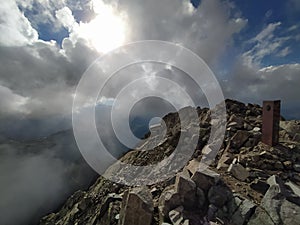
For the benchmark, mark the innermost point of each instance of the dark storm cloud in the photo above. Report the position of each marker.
(38, 82)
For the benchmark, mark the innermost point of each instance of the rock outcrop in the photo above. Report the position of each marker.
(248, 182)
(137, 207)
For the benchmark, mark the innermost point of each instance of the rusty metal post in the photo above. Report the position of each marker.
(270, 122)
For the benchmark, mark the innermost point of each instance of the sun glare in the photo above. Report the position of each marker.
(107, 30)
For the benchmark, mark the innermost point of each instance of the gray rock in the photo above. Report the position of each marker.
(218, 195)
(176, 216)
(239, 139)
(274, 180)
(238, 171)
(260, 186)
(289, 213)
(256, 129)
(261, 217)
(278, 206)
(186, 188)
(205, 179)
(278, 165)
(110, 198)
(292, 127)
(137, 207)
(296, 137)
(295, 188)
(236, 121)
(111, 216)
(233, 204)
(268, 213)
(232, 124)
(184, 184)
(168, 200)
(225, 160)
(212, 209)
(243, 213)
(201, 197)
(251, 142)
(186, 222)
(297, 167)
(247, 127)
(193, 166)
(295, 177)
(83, 204)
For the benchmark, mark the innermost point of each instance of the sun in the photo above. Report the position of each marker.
(107, 30)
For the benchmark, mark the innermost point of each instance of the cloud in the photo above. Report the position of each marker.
(104, 32)
(267, 33)
(207, 30)
(39, 81)
(266, 83)
(41, 12)
(46, 75)
(15, 28)
(251, 79)
(266, 43)
(38, 72)
(284, 52)
(11, 103)
(24, 190)
(65, 17)
(37, 176)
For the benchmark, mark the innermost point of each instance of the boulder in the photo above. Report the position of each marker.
(243, 213)
(278, 206)
(240, 138)
(238, 171)
(225, 160)
(212, 209)
(176, 216)
(186, 188)
(201, 197)
(292, 127)
(193, 166)
(297, 167)
(205, 179)
(236, 121)
(137, 207)
(289, 213)
(218, 195)
(184, 184)
(168, 200)
(107, 201)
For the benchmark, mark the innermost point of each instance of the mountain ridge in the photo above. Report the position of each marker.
(241, 186)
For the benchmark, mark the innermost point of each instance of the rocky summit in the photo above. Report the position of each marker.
(248, 182)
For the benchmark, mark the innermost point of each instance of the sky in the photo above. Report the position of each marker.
(46, 45)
